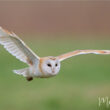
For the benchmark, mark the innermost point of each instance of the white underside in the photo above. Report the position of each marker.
(32, 71)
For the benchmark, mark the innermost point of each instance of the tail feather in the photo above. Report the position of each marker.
(24, 72)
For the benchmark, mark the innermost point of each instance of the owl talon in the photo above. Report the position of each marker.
(29, 78)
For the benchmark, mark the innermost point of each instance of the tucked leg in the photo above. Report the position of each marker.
(29, 78)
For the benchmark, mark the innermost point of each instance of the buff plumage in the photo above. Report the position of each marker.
(37, 66)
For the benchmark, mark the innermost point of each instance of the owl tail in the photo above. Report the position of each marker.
(24, 72)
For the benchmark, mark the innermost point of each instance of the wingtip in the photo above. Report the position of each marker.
(5, 30)
(2, 32)
(1, 27)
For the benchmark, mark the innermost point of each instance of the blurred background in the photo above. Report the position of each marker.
(53, 28)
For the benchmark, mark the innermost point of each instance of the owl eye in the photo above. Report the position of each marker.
(49, 65)
(56, 64)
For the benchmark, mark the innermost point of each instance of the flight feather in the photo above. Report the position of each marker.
(14, 45)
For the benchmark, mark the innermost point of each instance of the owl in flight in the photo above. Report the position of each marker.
(40, 67)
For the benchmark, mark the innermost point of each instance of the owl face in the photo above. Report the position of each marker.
(50, 66)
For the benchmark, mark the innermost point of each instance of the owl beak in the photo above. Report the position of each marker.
(53, 70)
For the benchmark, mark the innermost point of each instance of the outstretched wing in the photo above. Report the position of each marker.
(79, 52)
(14, 45)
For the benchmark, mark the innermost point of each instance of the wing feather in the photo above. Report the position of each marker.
(79, 52)
(14, 45)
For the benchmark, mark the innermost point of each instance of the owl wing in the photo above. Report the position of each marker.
(79, 52)
(14, 45)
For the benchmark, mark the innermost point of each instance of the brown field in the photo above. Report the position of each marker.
(45, 17)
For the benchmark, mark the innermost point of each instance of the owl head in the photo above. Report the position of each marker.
(50, 65)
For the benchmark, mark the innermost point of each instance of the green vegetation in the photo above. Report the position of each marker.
(81, 81)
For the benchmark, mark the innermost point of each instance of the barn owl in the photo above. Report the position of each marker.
(40, 67)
